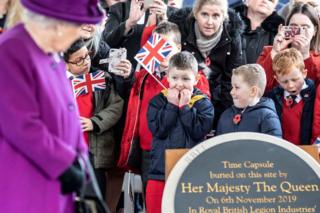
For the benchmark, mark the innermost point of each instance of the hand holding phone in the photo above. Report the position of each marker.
(115, 56)
(291, 31)
(147, 3)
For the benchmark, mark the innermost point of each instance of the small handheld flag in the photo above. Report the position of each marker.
(155, 50)
(90, 82)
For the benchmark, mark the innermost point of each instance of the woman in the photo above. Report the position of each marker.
(40, 136)
(262, 23)
(212, 35)
(304, 17)
(98, 48)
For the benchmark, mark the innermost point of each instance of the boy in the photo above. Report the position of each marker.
(136, 132)
(294, 97)
(99, 111)
(250, 112)
(179, 117)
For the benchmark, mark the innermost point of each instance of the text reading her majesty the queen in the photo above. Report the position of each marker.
(250, 187)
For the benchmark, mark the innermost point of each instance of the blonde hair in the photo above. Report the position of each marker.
(253, 75)
(198, 4)
(283, 62)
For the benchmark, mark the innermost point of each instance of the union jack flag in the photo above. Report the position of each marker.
(153, 52)
(88, 83)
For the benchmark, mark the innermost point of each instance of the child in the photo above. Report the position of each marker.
(294, 97)
(99, 112)
(145, 87)
(179, 117)
(250, 112)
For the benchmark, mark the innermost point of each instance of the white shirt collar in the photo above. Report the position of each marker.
(298, 98)
(254, 102)
(70, 75)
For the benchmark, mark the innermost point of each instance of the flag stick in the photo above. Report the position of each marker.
(155, 78)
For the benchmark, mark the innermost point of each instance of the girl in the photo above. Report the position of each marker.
(307, 42)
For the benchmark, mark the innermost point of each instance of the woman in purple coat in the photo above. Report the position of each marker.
(40, 137)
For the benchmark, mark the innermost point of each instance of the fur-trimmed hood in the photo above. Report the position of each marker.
(235, 23)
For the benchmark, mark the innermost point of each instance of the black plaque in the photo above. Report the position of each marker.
(244, 173)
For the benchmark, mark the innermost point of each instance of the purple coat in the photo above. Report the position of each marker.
(40, 133)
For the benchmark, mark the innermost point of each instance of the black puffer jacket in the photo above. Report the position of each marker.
(224, 57)
(254, 40)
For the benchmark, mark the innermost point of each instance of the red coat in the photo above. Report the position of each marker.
(316, 117)
(131, 129)
(312, 64)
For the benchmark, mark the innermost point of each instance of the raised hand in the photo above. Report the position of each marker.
(123, 68)
(185, 97)
(280, 42)
(302, 42)
(136, 12)
(173, 96)
(159, 8)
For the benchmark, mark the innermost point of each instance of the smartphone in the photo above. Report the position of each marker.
(115, 56)
(291, 31)
(147, 3)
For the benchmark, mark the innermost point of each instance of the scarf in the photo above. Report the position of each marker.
(205, 44)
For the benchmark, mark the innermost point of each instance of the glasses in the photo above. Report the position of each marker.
(81, 60)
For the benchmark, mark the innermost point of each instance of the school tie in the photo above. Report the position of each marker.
(290, 100)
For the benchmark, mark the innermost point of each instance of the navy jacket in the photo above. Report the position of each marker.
(308, 97)
(261, 118)
(174, 128)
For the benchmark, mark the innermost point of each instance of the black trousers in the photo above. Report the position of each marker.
(101, 176)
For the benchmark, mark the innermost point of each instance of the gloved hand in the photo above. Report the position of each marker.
(72, 179)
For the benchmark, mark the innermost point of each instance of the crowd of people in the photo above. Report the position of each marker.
(247, 68)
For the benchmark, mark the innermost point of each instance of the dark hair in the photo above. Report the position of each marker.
(77, 45)
(184, 61)
(311, 13)
(169, 28)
